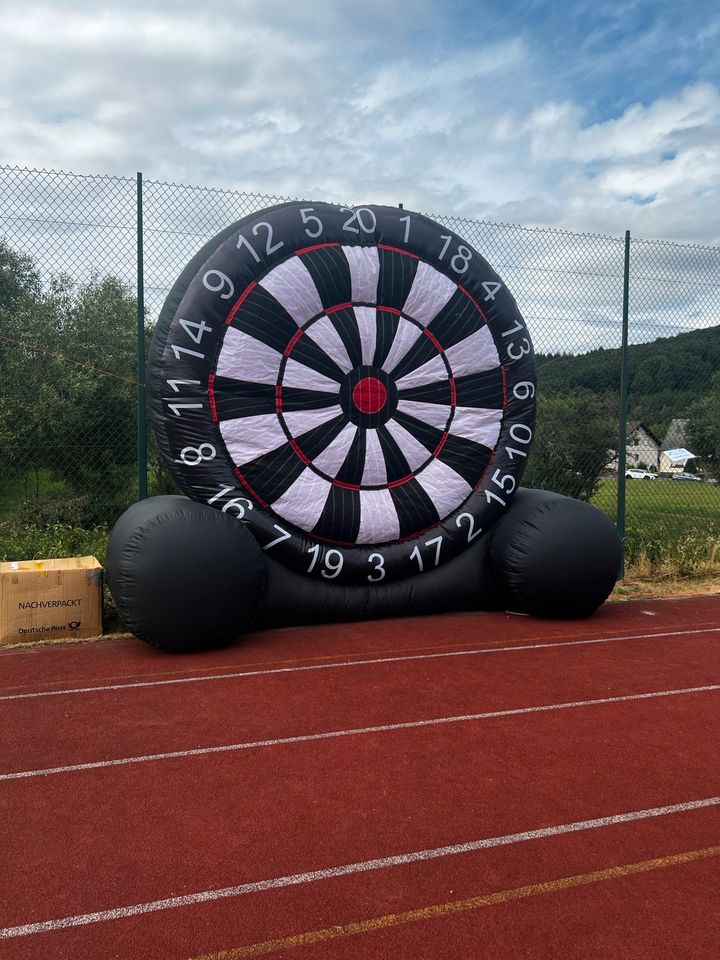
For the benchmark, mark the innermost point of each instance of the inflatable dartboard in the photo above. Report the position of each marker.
(356, 385)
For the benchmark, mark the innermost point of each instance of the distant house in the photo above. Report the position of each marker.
(675, 461)
(676, 435)
(643, 448)
(674, 454)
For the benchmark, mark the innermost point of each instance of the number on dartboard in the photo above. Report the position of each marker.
(520, 433)
(186, 350)
(416, 555)
(518, 326)
(378, 569)
(195, 330)
(363, 216)
(307, 216)
(225, 281)
(461, 261)
(284, 535)
(199, 454)
(331, 566)
(177, 407)
(406, 221)
(528, 388)
(173, 384)
(270, 247)
(235, 504)
(491, 289)
(472, 532)
(523, 351)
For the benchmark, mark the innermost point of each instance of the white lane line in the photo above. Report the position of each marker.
(364, 866)
(350, 663)
(353, 732)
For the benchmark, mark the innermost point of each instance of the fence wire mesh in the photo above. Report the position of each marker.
(68, 360)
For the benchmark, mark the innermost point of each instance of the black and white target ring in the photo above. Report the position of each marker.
(357, 385)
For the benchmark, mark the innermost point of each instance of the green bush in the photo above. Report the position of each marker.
(20, 541)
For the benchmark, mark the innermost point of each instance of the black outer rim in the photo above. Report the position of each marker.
(191, 300)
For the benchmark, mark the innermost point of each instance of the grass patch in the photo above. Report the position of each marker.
(672, 529)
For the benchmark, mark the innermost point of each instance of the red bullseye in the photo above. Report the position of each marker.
(369, 395)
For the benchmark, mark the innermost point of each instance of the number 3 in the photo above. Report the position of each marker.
(379, 567)
(522, 351)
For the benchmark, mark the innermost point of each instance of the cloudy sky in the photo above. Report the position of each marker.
(590, 115)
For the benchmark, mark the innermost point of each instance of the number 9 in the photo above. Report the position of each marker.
(333, 568)
(224, 281)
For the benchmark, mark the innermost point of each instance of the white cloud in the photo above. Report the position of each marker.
(356, 102)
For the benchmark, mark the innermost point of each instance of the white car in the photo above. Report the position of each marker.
(635, 474)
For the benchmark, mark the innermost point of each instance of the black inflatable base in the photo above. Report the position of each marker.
(184, 576)
(187, 577)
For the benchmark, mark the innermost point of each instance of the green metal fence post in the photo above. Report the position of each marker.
(623, 403)
(142, 417)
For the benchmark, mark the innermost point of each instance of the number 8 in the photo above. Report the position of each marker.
(199, 455)
(464, 259)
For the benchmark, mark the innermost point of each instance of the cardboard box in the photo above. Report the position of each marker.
(48, 599)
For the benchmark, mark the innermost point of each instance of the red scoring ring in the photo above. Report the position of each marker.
(369, 395)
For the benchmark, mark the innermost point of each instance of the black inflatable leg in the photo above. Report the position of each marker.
(183, 575)
(557, 557)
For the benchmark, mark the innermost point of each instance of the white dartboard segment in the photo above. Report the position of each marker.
(406, 336)
(364, 266)
(430, 292)
(293, 287)
(245, 358)
(324, 334)
(366, 319)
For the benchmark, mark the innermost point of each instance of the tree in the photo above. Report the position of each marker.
(20, 306)
(704, 428)
(68, 407)
(573, 444)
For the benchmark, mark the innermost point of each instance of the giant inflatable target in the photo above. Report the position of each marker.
(357, 385)
(347, 396)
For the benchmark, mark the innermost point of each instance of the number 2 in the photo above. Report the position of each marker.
(472, 532)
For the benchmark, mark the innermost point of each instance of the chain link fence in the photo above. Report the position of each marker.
(69, 428)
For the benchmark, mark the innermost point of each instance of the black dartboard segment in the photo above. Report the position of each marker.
(356, 385)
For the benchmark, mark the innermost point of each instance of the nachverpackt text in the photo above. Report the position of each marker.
(42, 604)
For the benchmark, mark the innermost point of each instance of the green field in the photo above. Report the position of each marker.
(667, 521)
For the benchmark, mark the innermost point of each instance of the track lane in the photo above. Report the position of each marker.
(59, 731)
(314, 804)
(127, 658)
(112, 854)
(220, 925)
(615, 918)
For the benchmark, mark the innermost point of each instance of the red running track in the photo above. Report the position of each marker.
(536, 789)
